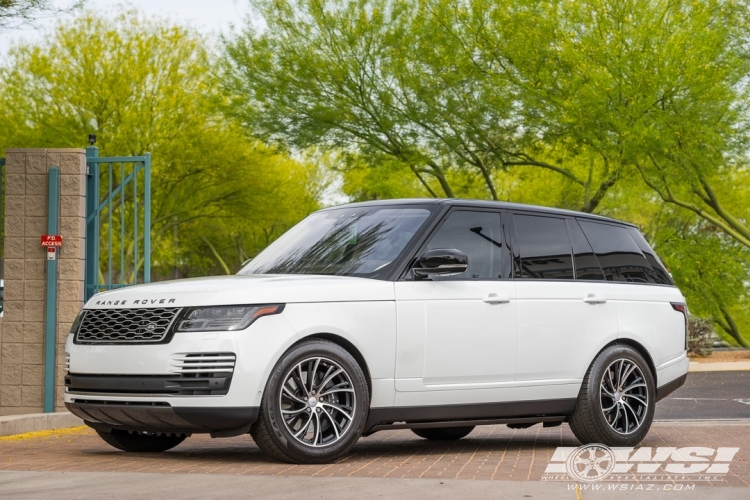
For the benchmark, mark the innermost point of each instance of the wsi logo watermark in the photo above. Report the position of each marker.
(597, 462)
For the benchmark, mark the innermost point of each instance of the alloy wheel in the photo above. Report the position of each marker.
(317, 402)
(623, 394)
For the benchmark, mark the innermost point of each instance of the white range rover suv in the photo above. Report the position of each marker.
(432, 315)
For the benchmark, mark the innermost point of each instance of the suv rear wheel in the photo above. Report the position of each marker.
(616, 403)
(140, 441)
(315, 405)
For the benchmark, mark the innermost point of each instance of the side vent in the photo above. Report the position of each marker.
(203, 363)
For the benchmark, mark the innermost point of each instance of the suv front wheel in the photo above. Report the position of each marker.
(615, 406)
(315, 405)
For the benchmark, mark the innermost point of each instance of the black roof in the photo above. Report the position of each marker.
(458, 202)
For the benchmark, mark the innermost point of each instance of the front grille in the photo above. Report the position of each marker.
(102, 326)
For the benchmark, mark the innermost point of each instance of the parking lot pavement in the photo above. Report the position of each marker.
(489, 453)
(102, 485)
(711, 395)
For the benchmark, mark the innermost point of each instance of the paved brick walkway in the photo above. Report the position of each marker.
(490, 452)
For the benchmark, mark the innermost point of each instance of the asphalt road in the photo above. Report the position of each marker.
(708, 395)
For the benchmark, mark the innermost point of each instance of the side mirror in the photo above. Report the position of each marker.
(441, 262)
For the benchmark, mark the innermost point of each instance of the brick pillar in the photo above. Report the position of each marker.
(22, 327)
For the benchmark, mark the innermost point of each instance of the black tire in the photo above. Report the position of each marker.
(272, 432)
(140, 442)
(589, 422)
(444, 433)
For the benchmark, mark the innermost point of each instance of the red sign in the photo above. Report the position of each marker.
(51, 240)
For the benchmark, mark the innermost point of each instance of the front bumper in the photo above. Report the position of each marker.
(137, 387)
(161, 417)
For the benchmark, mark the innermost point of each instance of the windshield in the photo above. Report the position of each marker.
(362, 241)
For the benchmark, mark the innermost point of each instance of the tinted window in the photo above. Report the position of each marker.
(543, 247)
(660, 274)
(479, 236)
(620, 257)
(586, 264)
(351, 242)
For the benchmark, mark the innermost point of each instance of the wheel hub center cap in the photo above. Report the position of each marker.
(618, 397)
(313, 402)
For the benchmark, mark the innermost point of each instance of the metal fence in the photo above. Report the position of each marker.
(118, 221)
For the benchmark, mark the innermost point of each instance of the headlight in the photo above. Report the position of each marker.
(224, 318)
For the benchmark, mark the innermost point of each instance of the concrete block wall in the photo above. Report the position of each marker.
(22, 325)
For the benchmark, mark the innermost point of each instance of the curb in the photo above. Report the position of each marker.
(721, 366)
(20, 424)
(704, 422)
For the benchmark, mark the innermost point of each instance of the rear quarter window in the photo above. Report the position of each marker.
(660, 274)
(618, 253)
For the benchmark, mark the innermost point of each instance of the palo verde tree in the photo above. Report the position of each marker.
(17, 13)
(146, 86)
(465, 92)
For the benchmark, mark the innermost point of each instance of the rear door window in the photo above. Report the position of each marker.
(586, 264)
(543, 246)
(618, 253)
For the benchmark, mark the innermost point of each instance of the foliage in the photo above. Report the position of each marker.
(16, 13)
(700, 337)
(146, 85)
(458, 90)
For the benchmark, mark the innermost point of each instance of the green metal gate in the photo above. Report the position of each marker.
(118, 221)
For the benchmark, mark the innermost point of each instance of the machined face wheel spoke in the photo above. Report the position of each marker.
(332, 391)
(637, 398)
(628, 370)
(297, 377)
(623, 396)
(317, 435)
(633, 386)
(342, 387)
(303, 429)
(312, 378)
(292, 412)
(317, 402)
(288, 393)
(334, 425)
(343, 411)
(635, 415)
(609, 408)
(330, 377)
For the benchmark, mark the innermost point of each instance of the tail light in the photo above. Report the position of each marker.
(677, 306)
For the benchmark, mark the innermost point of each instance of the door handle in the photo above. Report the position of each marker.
(594, 299)
(494, 298)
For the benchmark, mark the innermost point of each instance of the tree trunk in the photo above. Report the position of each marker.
(729, 326)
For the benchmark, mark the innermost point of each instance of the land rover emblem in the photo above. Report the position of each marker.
(151, 327)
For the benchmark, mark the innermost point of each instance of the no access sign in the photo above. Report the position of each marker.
(52, 240)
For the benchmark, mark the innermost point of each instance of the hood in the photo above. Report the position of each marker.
(249, 289)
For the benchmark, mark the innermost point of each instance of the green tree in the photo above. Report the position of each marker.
(16, 13)
(146, 85)
(459, 90)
